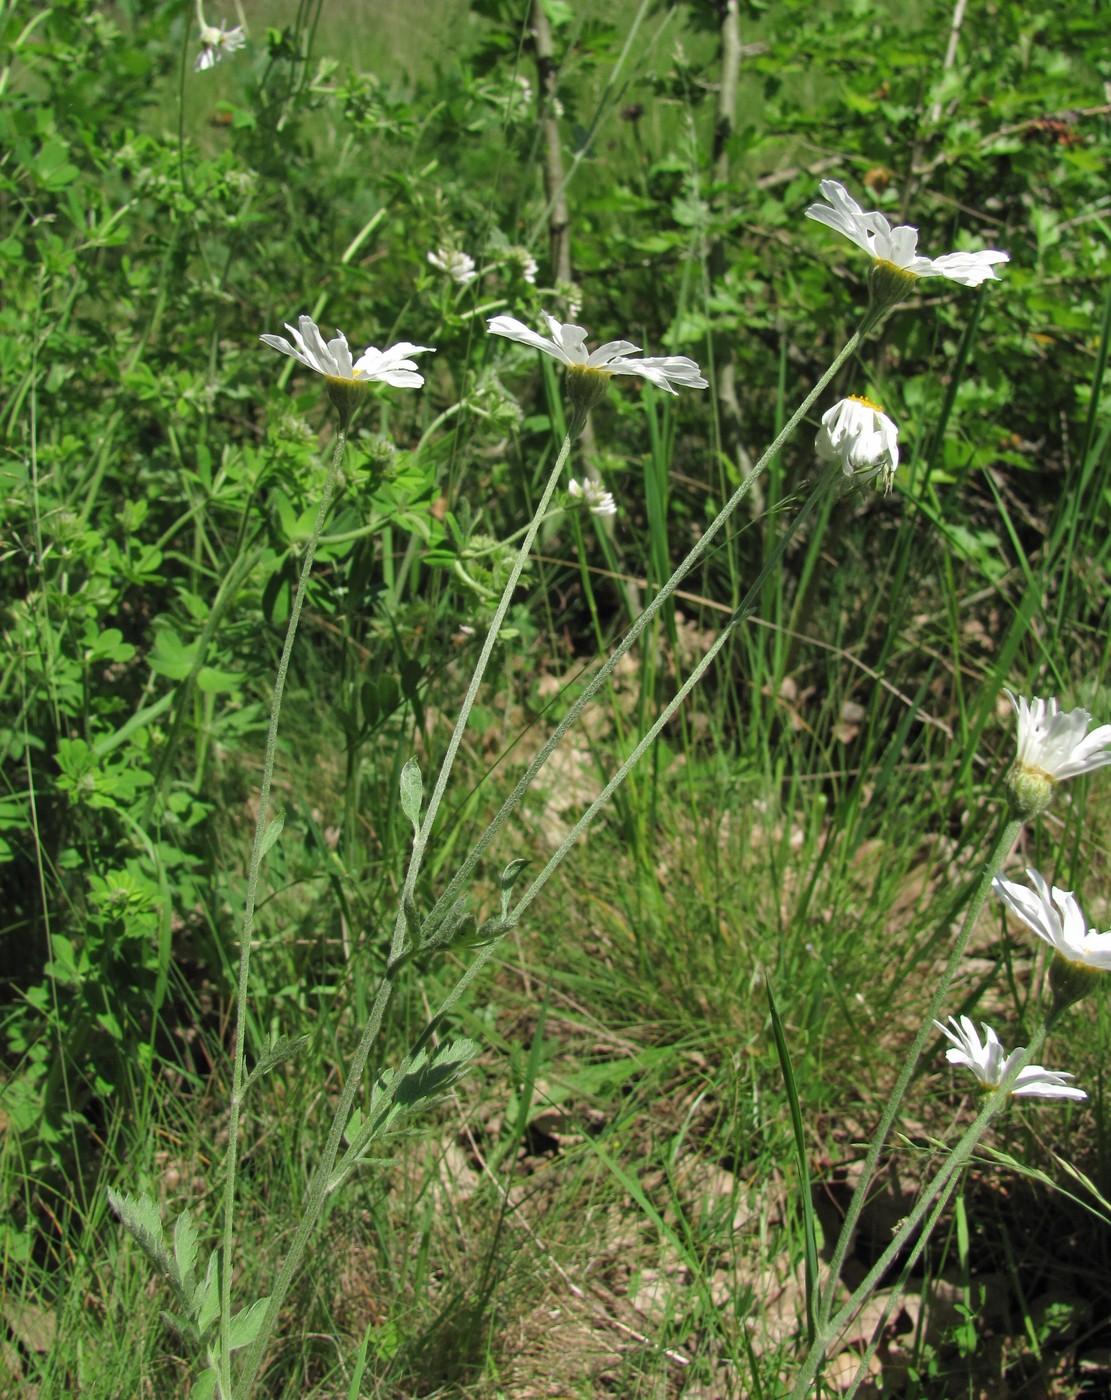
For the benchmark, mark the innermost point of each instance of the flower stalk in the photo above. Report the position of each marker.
(254, 866)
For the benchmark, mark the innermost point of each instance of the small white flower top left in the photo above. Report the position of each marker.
(593, 495)
(216, 42)
(990, 1063)
(871, 231)
(332, 358)
(454, 264)
(566, 343)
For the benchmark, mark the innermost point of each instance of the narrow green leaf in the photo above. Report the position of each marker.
(283, 1047)
(204, 1388)
(246, 1323)
(806, 1199)
(273, 831)
(412, 792)
(206, 1300)
(185, 1251)
(355, 1389)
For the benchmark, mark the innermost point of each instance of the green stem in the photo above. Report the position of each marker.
(253, 868)
(856, 1205)
(941, 1186)
(446, 900)
(420, 840)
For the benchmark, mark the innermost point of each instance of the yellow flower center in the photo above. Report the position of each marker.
(865, 402)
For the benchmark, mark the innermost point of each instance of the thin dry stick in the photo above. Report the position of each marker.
(950, 54)
(725, 364)
(555, 182)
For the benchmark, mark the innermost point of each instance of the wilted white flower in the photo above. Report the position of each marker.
(1080, 954)
(332, 358)
(589, 372)
(456, 265)
(990, 1064)
(857, 433)
(217, 41)
(593, 495)
(897, 247)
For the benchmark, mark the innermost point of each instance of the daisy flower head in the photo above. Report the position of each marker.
(589, 371)
(1080, 954)
(347, 379)
(216, 41)
(990, 1063)
(857, 433)
(896, 261)
(1052, 745)
(454, 264)
(593, 495)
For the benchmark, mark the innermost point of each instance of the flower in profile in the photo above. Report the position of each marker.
(589, 373)
(454, 264)
(990, 1064)
(857, 433)
(347, 379)
(1080, 953)
(1052, 745)
(593, 496)
(894, 251)
(216, 42)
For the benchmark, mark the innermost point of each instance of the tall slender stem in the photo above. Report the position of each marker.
(420, 840)
(856, 1205)
(253, 868)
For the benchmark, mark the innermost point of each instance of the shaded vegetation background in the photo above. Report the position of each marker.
(817, 815)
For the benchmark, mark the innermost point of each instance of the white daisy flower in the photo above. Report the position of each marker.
(589, 371)
(897, 247)
(990, 1064)
(347, 381)
(333, 358)
(217, 41)
(1055, 916)
(857, 433)
(593, 495)
(458, 266)
(1057, 743)
(1080, 954)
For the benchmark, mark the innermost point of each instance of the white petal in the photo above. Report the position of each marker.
(970, 269)
(516, 330)
(612, 350)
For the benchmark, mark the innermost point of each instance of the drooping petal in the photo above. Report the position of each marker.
(970, 269)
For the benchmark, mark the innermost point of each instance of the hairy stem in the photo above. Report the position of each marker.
(253, 868)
